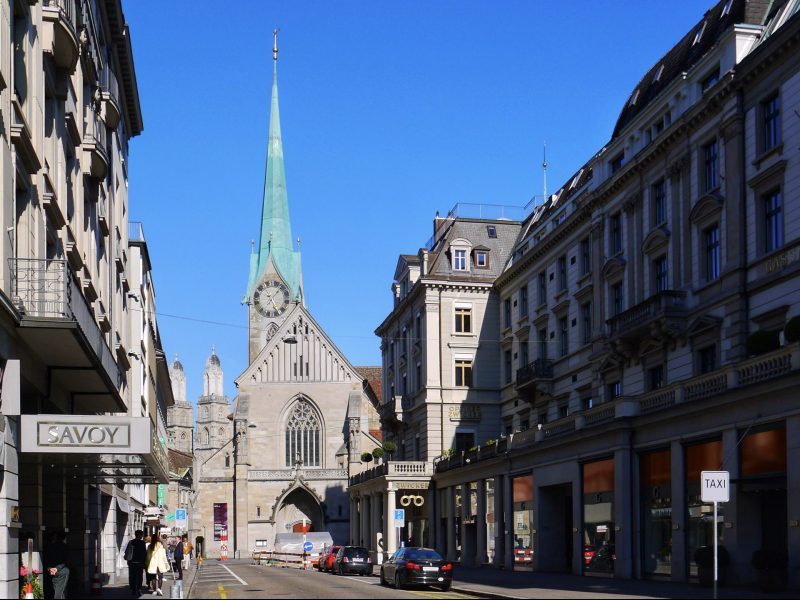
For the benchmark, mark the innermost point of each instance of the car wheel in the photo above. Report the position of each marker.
(446, 587)
(397, 584)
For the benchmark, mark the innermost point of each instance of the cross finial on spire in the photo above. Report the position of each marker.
(252, 246)
(298, 242)
(213, 349)
(275, 44)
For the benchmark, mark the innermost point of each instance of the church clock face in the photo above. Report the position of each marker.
(271, 298)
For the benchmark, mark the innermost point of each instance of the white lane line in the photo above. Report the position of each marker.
(242, 581)
(365, 580)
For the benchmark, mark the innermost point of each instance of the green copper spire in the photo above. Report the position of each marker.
(276, 230)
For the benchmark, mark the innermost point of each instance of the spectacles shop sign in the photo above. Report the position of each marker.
(85, 434)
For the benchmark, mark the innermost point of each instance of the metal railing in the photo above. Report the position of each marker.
(400, 468)
(664, 304)
(470, 210)
(135, 231)
(108, 81)
(68, 8)
(541, 368)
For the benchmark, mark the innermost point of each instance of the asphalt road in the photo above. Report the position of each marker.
(239, 579)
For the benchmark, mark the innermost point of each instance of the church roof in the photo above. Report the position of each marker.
(373, 376)
(179, 462)
(275, 243)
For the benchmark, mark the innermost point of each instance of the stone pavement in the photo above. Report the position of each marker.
(519, 584)
(120, 590)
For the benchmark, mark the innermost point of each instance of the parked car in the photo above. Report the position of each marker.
(352, 559)
(327, 557)
(588, 553)
(417, 566)
(603, 559)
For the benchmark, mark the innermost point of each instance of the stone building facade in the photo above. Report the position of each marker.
(648, 331)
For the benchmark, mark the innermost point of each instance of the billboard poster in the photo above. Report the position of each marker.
(221, 522)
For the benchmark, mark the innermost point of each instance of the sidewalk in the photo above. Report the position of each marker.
(520, 584)
(120, 590)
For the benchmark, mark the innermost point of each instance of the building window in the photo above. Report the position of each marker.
(709, 80)
(563, 410)
(464, 440)
(707, 359)
(614, 390)
(659, 192)
(588, 403)
(523, 301)
(711, 236)
(617, 299)
(463, 320)
(419, 376)
(302, 436)
(460, 260)
(655, 378)
(773, 221)
(616, 233)
(523, 353)
(564, 335)
(586, 257)
(463, 372)
(227, 460)
(617, 162)
(507, 366)
(542, 288)
(543, 344)
(586, 318)
(660, 274)
(562, 272)
(491, 231)
(481, 259)
(771, 113)
(710, 166)
(507, 313)
(404, 384)
(417, 448)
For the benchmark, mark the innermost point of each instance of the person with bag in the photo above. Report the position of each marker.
(56, 555)
(157, 564)
(135, 556)
(186, 550)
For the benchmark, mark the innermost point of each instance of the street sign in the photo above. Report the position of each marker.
(180, 518)
(308, 546)
(399, 517)
(715, 486)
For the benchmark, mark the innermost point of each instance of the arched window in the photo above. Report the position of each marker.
(183, 435)
(221, 432)
(227, 460)
(206, 436)
(303, 441)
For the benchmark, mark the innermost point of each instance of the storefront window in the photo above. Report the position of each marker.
(656, 500)
(444, 512)
(459, 508)
(701, 457)
(491, 524)
(598, 516)
(522, 489)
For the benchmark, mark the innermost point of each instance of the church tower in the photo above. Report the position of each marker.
(214, 428)
(180, 420)
(275, 280)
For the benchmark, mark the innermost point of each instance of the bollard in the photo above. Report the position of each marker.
(177, 589)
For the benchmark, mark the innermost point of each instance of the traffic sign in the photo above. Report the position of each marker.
(308, 546)
(180, 518)
(399, 517)
(715, 486)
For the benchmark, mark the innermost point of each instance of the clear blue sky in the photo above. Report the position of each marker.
(390, 112)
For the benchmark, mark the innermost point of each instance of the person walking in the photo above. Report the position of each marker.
(186, 550)
(157, 564)
(56, 564)
(135, 555)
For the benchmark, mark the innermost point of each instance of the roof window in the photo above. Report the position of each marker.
(491, 231)
(657, 76)
(634, 97)
(699, 34)
(726, 9)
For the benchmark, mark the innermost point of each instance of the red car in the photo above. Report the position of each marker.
(326, 559)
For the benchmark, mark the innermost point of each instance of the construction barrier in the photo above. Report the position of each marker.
(290, 560)
(223, 551)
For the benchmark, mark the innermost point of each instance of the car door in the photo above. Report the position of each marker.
(389, 576)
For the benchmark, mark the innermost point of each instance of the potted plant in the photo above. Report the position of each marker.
(704, 557)
(366, 457)
(377, 454)
(772, 570)
(389, 447)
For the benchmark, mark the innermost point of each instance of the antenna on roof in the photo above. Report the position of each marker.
(544, 170)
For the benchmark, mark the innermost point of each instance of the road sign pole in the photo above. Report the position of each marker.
(716, 551)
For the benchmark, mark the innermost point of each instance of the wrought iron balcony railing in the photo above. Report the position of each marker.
(669, 303)
(541, 368)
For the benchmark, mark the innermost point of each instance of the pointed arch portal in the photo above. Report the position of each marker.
(297, 509)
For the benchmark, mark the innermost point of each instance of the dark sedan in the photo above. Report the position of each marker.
(417, 566)
(352, 559)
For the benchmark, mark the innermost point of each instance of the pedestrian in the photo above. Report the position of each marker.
(157, 564)
(56, 563)
(135, 555)
(178, 557)
(187, 550)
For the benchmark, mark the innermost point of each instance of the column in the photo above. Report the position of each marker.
(623, 521)
(467, 554)
(377, 534)
(389, 534)
(508, 524)
(679, 520)
(450, 526)
(739, 543)
(355, 518)
(352, 518)
(500, 520)
(793, 498)
(480, 518)
(363, 531)
(438, 497)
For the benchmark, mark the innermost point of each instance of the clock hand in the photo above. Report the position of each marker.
(273, 303)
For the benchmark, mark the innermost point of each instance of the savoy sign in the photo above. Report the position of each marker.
(85, 434)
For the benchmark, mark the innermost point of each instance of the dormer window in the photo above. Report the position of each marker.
(617, 162)
(491, 231)
(709, 80)
(699, 35)
(481, 259)
(659, 73)
(459, 260)
(726, 9)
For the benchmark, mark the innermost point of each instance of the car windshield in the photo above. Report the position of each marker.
(422, 554)
(356, 552)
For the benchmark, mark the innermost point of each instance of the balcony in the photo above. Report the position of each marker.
(391, 412)
(110, 110)
(661, 315)
(61, 15)
(396, 470)
(94, 145)
(22, 139)
(535, 377)
(58, 324)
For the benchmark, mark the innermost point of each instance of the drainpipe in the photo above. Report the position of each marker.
(441, 379)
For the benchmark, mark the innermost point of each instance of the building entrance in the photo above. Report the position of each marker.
(554, 538)
(299, 510)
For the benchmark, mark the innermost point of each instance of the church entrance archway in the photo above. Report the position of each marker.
(299, 510)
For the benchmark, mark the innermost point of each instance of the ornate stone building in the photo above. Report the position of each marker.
(280, 464)
(180, 416)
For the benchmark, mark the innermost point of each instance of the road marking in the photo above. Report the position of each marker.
(242, 581)
(222, 594)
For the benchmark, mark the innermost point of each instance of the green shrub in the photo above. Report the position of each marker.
(760, 342)
(449, 453)
(490, 442)
(473, 449)
(366, 457)
(389, 447)
(377, 453)
(792, 330)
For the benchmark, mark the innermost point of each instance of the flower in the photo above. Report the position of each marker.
(23, 571)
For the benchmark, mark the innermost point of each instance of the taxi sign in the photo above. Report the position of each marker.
(715, 486)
